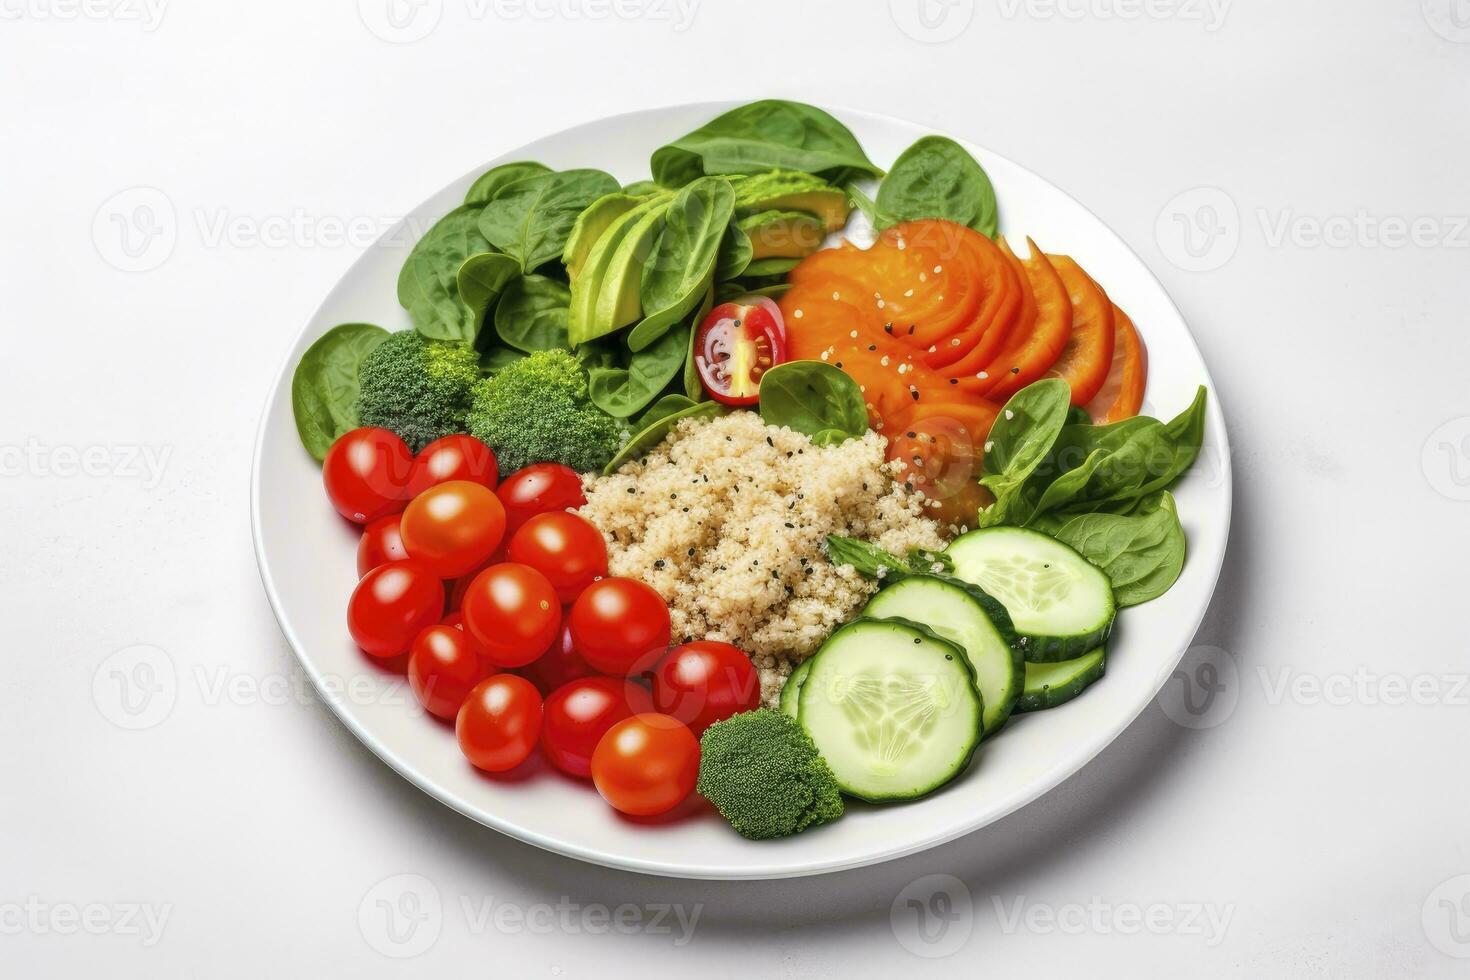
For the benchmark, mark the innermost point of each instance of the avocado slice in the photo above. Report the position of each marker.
(788, 190)
(583, 323)
(590, 225)
(782, 234)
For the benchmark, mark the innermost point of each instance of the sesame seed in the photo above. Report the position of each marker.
(955, 342)
(989, 445)
(883, 360)
(836, 294)
(881, 304)
(797, 314)
(938, 269)
(853, 335)
(982, 375)
(1010, 415)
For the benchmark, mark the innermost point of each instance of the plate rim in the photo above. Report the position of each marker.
(756, 871)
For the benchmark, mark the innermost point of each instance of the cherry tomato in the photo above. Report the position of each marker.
(578, 714)
(512, 612)
(560, 664)
(736, 344)
(565, 548)
(443, 665)
(499, 722)
(454, 527)
(646, 764)
(391, 605)
(537, 489)
(704, 682)
(457, 457)
(381, 543)
(366, 473)
(620, 626)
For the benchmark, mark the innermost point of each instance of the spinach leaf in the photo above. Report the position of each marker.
(774, 266)
(937, 178)
(641, 188)
(736, 251)
(870, 560)
(655, 433)
(531, 219)
(1019, 442)
(481, 278)
(768, 135)
(495, 358)
(532, 314)
(489, 184)
(1142, 552)
(812, 397)
(428, 284)
(677, 274)
(663, 408)
(621, 391)
(324, 387)
(726, 292)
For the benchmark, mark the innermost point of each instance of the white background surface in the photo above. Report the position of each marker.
(1324, 827)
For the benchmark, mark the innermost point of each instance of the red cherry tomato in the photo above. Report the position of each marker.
(620, 626)
(646, 764)
(443, 665)
(565, 548)
(704, 682)
(499, 722)
(391, 605)
(537, 489)
(736, 344)
(578, 714)
(560, 664)
(512, 612)
(381, 543)
(457, 457)
(366, 473)
(454, 527)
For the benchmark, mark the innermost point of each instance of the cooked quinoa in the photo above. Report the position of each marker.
(726, 519)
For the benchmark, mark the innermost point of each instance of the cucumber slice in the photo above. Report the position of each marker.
(792, 688)
(1060, 603)
(1048, 685)
(892, 708)
(964, 615)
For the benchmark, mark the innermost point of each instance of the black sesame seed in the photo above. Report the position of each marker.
(659, 563)
(632, 489)
(770, 443)
(1015, 370)
(911, 331)
(911, 435)
(918, 640)
(691, 552)
(839, 364)
(954, 381)
(888, 328)
(790, 525)
(915, 393)
(872, 347)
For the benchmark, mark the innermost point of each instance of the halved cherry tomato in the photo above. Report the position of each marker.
(646, 764)
(499, 723)
(391, 605)
(567, 549)
(456, 457)
(512, 612)
(736, 344)
(367, 473)
(453, 527)
(580, 712)
(381, 543)
(443, 665)
(1121, 396)
(1088, 356)
(560, 664)
(706, 681)
(537, 489)
(620, 626)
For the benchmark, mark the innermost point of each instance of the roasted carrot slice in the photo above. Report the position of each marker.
(1028, 354)
(1085, 361)
(1121, 395)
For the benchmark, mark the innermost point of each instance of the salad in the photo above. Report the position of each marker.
(701, 485)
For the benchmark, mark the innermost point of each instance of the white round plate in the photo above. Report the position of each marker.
(307, 561)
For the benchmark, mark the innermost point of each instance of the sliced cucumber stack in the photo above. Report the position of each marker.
(964, 615)
(1048, 685)
(1060, 603)
(892, 708)
(792, 687)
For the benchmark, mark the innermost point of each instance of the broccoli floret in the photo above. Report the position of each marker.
(417, 387)
(764, 775)
(536, 410)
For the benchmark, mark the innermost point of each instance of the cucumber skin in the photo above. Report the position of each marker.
(1050, 697)
(961, 765)
(791, 690)
(1001, 620)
